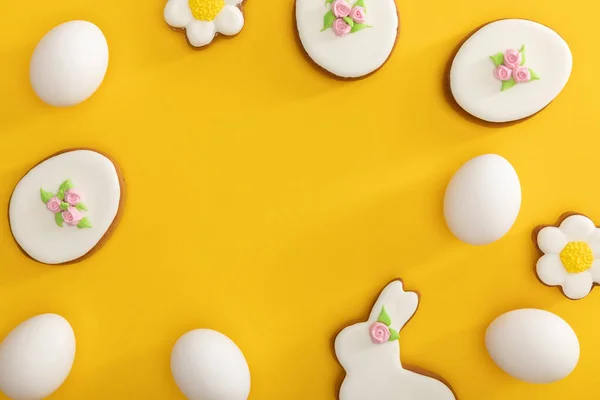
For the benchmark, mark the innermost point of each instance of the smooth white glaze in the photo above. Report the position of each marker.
(34, 227)
(476, 89)
(374, 371)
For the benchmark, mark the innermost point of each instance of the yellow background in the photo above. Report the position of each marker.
(271, 202)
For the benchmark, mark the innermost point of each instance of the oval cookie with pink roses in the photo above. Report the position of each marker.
(509, 70)
(66, 206)
(348, 38)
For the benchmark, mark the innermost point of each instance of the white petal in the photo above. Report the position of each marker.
(577, 228)
(230, 21)
(578, 286)
(595, 271)
(178, 13)
(550, 270)
(551, 240)
(594, 242)
(200, 33)
(233, 2)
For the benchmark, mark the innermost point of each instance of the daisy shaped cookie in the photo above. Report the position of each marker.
(203, 19)
(570, 258)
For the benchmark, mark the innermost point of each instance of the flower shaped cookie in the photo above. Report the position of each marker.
(570, 257)
(203, 19)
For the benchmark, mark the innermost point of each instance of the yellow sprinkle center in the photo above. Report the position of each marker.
(577, 257)
(206, 10)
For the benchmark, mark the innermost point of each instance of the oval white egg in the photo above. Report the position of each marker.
(533, 345)
(34, 226)
(356, 54)
(479, 92)
(482, 200)
(69, 63)
(207, 365)
(36, 357)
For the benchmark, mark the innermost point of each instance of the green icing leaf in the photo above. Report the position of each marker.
(498, 59)
(66, 185)
(328, 20)
(508, 84)
(328, 2)
(84, 223)
(349, 21)
(59, 219)
(46, 196)
(81, 207)
(359, 27)
(61, 194)
(384, 317)
(523, 58)
(393, 335)
(360, 3)
(534, 76)
(64, 206)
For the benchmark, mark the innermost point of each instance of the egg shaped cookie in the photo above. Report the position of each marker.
(349, 39)
(66, 206)
(510, 70)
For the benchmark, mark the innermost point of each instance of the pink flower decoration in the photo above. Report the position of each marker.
(358, 15)
(521, 74)
(340, 27)
(379, 332)
(72, 216)
(53, 204)
(503, 73)
(512, 58)
(72, 196)
(340, 8)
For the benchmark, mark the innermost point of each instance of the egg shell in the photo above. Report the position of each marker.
(207, 365)
(69, 63)
(36, 357)
(482, 200)
(476, 89)
(533, 345)
(357, 54)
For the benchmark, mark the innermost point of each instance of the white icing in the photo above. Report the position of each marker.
(552, 240)
(374, 371)
(357, 54)
(476, 89)
(33, 225)
(229, 21)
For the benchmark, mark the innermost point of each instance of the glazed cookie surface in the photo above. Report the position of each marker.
(63, 207)
(510, 70)
(204, 19)
(348, 39)
(369, 352)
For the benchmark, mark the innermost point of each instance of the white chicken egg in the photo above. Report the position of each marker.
(36, 357)
(482, 200)
(69, 63)
(533, 345)
(207, 365)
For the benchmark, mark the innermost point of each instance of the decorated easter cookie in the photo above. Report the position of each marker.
(66, 206)
(369, 352)
(509, 70)
(350, 39)
(570, 256)
(204, 19)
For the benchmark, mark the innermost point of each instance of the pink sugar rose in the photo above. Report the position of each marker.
(503, 73)
(340, 27)
(521, 74)
(53, 204)
(512, 58)
(72, 216)
(358, 15)
(340, 8)
(72, 196)
(379, 332)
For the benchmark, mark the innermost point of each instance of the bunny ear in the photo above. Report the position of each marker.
(394, 307)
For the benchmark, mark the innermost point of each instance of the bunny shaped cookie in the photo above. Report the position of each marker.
(370, 354)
